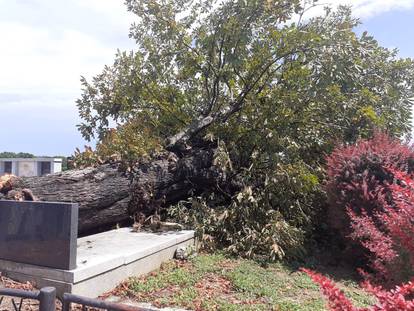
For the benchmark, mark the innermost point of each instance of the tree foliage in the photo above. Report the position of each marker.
(267, 219)
(244, 67)
(7, 154)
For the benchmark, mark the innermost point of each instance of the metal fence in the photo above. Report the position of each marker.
(47, 301)
(46, 297)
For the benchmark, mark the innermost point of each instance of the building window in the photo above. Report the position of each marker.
(45, 168)
(8, 166)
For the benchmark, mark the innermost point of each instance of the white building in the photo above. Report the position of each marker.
(30, 166)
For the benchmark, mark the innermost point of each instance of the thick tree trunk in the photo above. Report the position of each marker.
(107, 196)
(168, 178)
(102, 193)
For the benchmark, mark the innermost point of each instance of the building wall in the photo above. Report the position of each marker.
(56, 167)
(15, 168)
(2, 168)
(31, 167)
(27, 168)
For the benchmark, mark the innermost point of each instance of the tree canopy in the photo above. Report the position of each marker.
(246, 64)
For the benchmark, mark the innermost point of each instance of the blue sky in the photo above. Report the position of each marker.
(393, 29)
(46, 45)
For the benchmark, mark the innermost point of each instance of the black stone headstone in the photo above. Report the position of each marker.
(39, 233)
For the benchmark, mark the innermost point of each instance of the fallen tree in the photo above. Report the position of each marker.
(108, 195)
(226, 105)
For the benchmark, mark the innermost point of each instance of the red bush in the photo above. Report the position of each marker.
(388, 234)
(399, 221)
(358, 177)
(336, 298)
(398, 299)
(371, 190)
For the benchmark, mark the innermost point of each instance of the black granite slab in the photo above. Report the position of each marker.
(39, 233)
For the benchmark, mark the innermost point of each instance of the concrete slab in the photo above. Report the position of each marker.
(104, 260)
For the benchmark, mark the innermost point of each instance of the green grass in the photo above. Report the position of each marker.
(215, 282)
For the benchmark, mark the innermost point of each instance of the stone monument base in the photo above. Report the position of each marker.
(104, 260)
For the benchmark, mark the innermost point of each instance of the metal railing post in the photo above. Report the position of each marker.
(65, 302)
(47, 299)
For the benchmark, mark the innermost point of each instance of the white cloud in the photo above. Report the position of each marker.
(370, 8)
(42, 54)
(46, 45)
(33, 59)
(112, 9)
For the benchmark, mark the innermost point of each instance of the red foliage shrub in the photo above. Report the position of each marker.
(398, 299)
(358, 177)
(371, 190)
(399, 221)
(336, 298)
(388, 234)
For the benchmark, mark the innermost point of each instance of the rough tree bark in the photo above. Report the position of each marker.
(168, 178)
(102, 193)
(107, 196)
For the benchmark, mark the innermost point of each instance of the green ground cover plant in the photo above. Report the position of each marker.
(218, 282)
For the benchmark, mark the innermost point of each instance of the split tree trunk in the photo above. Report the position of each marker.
(107, 196)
